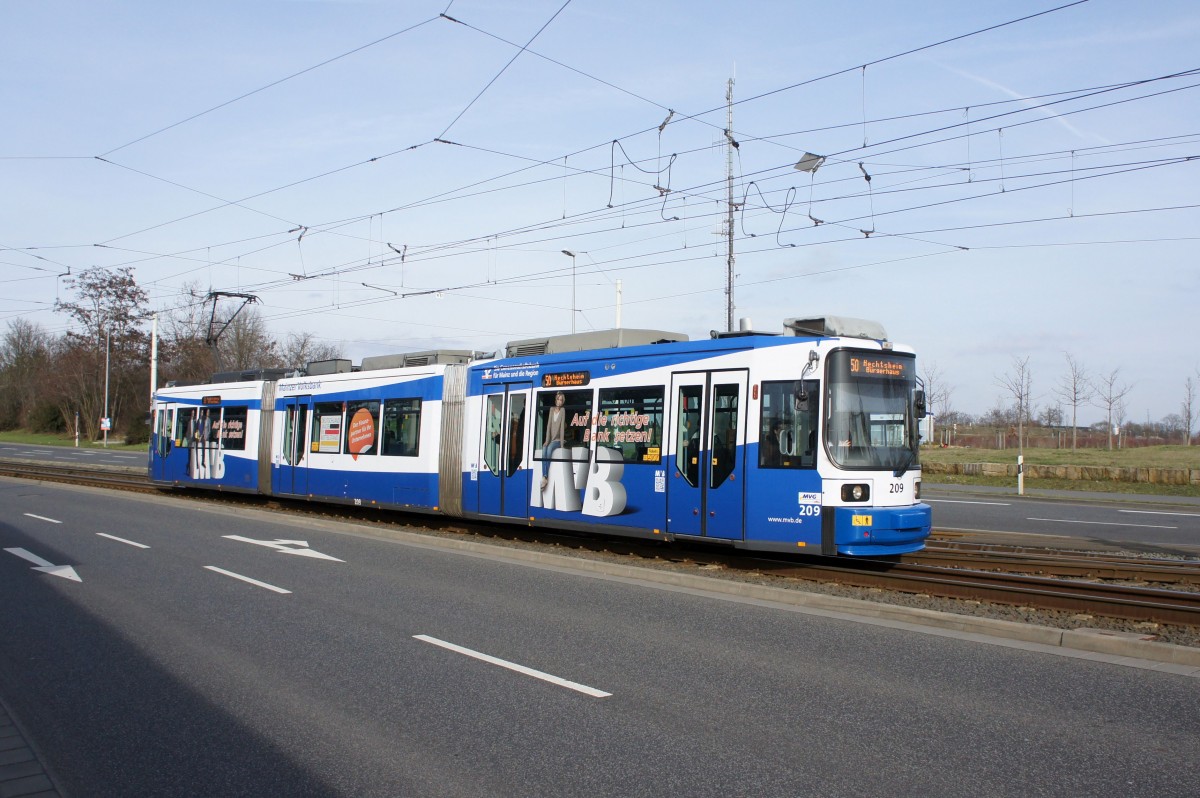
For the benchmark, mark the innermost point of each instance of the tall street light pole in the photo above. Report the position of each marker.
(572, 256)
(106, 423)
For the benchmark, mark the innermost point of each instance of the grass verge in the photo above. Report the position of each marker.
(50, 439)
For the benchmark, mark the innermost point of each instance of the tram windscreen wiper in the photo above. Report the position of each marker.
(903, 467)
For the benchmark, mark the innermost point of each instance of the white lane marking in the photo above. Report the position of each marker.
(1100, 523)
(246, 579)
(1159, 512)
(43, 518)
(45, 566)
(122, 540)
(285, 547)
(960, 501)
(512, 666)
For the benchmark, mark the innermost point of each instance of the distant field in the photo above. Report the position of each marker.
(1144, 457)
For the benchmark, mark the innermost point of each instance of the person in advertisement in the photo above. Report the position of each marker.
(555, 435)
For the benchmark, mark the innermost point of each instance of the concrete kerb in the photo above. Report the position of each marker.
(21, 770)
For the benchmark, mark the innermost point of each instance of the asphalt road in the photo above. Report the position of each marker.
(1151, 524)
(69, 455)
(394, 668)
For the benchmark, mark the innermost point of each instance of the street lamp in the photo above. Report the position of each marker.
(810, 163)
(572, 256)
(104, 422)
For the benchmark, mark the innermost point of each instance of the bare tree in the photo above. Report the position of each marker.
(1002, 415)
(183, 354)
(246, 343)
(110, 308)
(937, 393)
(1110, 397)
(1019, 384)
(1171, 425)
(1188, 410)
(1051, 415)
(24, 360)
(301, 348)
(1074, 390)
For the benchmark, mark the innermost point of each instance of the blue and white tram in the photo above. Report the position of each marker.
(805, 441)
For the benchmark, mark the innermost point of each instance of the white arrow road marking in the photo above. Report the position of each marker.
(299, 547)
(122, 540)
(246, 579)
(65, 571)
(43, 518)
(512, 666)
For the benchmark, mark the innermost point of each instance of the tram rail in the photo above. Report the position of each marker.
(1182, 573)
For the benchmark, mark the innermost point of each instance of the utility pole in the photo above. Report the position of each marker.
(730, 146)
(153, 365)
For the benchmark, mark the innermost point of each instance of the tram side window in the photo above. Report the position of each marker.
(361, 435)
(327, 427)
(787, 434)
(630, 421)
(491, 441)
(160, 436)
(401, 427)
(231, 429)
(294, 425)
(562, 426)
(185, 427)
(516, 432)
(687, 434)
(725, 432)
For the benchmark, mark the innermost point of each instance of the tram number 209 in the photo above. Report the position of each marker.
(896, 487)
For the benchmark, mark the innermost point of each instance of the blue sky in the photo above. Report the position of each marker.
(1030, 192)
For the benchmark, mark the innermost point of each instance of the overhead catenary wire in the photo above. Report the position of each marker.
(418, 258)
(270, 85)
(624, 209)
(411, 147)
(292, 184)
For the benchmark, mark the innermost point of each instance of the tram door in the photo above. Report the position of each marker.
(705, 483)
(164, 443)
(290, 474)
(504, 485)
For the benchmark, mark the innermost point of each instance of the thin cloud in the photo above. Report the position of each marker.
(1032, 104)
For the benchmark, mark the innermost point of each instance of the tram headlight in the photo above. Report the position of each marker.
(856, 493)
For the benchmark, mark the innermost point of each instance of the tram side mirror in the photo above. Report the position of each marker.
(919, 404)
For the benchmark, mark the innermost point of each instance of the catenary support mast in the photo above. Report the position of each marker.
(730, 145)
